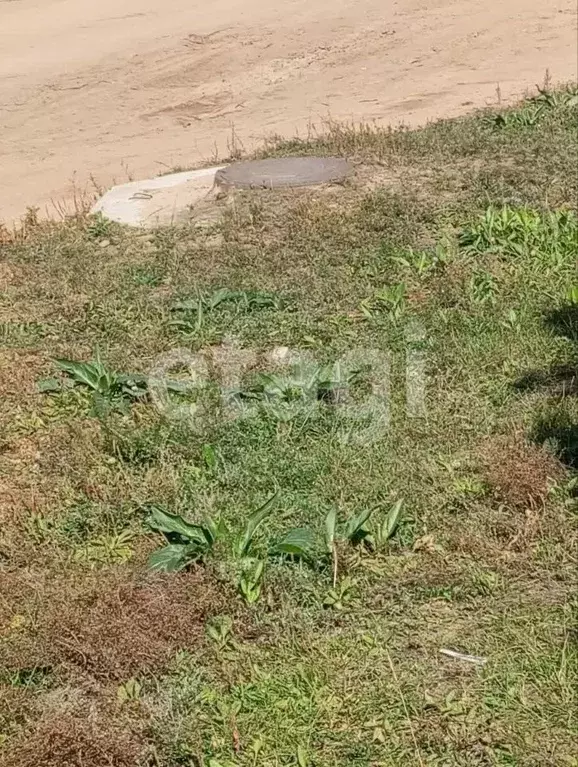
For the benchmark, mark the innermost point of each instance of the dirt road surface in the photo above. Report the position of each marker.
(116, 91)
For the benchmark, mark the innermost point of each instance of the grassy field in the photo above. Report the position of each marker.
(315, 641)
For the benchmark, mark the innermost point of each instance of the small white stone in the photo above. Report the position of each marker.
(279, 353)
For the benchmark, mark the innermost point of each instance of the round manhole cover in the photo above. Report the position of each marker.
(283, 172)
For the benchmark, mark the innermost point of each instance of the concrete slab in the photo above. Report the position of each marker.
(158, 201)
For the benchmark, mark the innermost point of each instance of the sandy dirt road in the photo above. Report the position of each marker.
(128, 90)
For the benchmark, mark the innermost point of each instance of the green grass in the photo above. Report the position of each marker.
(454, 250)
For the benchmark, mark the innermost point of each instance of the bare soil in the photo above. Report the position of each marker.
(88, 91)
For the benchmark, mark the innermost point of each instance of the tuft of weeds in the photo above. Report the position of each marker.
(534, 109)
(523, 233)
(96, 377)
(390, 301)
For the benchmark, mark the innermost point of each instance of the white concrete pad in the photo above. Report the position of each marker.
(158, 201)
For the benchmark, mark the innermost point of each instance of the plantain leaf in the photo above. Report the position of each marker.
(169, 559)
(220, 296)
(133, 385)
(168, 523)
(257, 574)
(211, 530)
(86, 373)
(330, 528)
(92, 374)
(355, 527)
(256, 299)
(302, 758)
(298, 542)
(253, 523)
(250, 581)
(209, 454)
(390, 523)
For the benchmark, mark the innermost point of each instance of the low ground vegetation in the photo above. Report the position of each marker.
(246, 572)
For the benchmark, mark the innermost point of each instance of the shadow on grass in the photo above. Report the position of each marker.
(558, 424)
(562, 435)
(564, 321)
(560, 380)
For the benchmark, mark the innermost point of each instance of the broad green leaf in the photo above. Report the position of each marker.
(86, 373)
(270, 383)
(220, 629)
(391, 521)
(250, 592)
(181, 324)
(92, 374)
(170, 559)
(355, 525)
(178, 387)
(298, 542)
(211, 530)
(130, 690)
(330, 528)
(135, 379)
(165, 522)
(254, 522)
(258, 571)
(258, 299)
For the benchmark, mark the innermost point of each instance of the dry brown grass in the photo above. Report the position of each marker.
(519, 472)
(19, 371)
(16, 705)
(109, 626)
(6, 275)
(69, 741)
